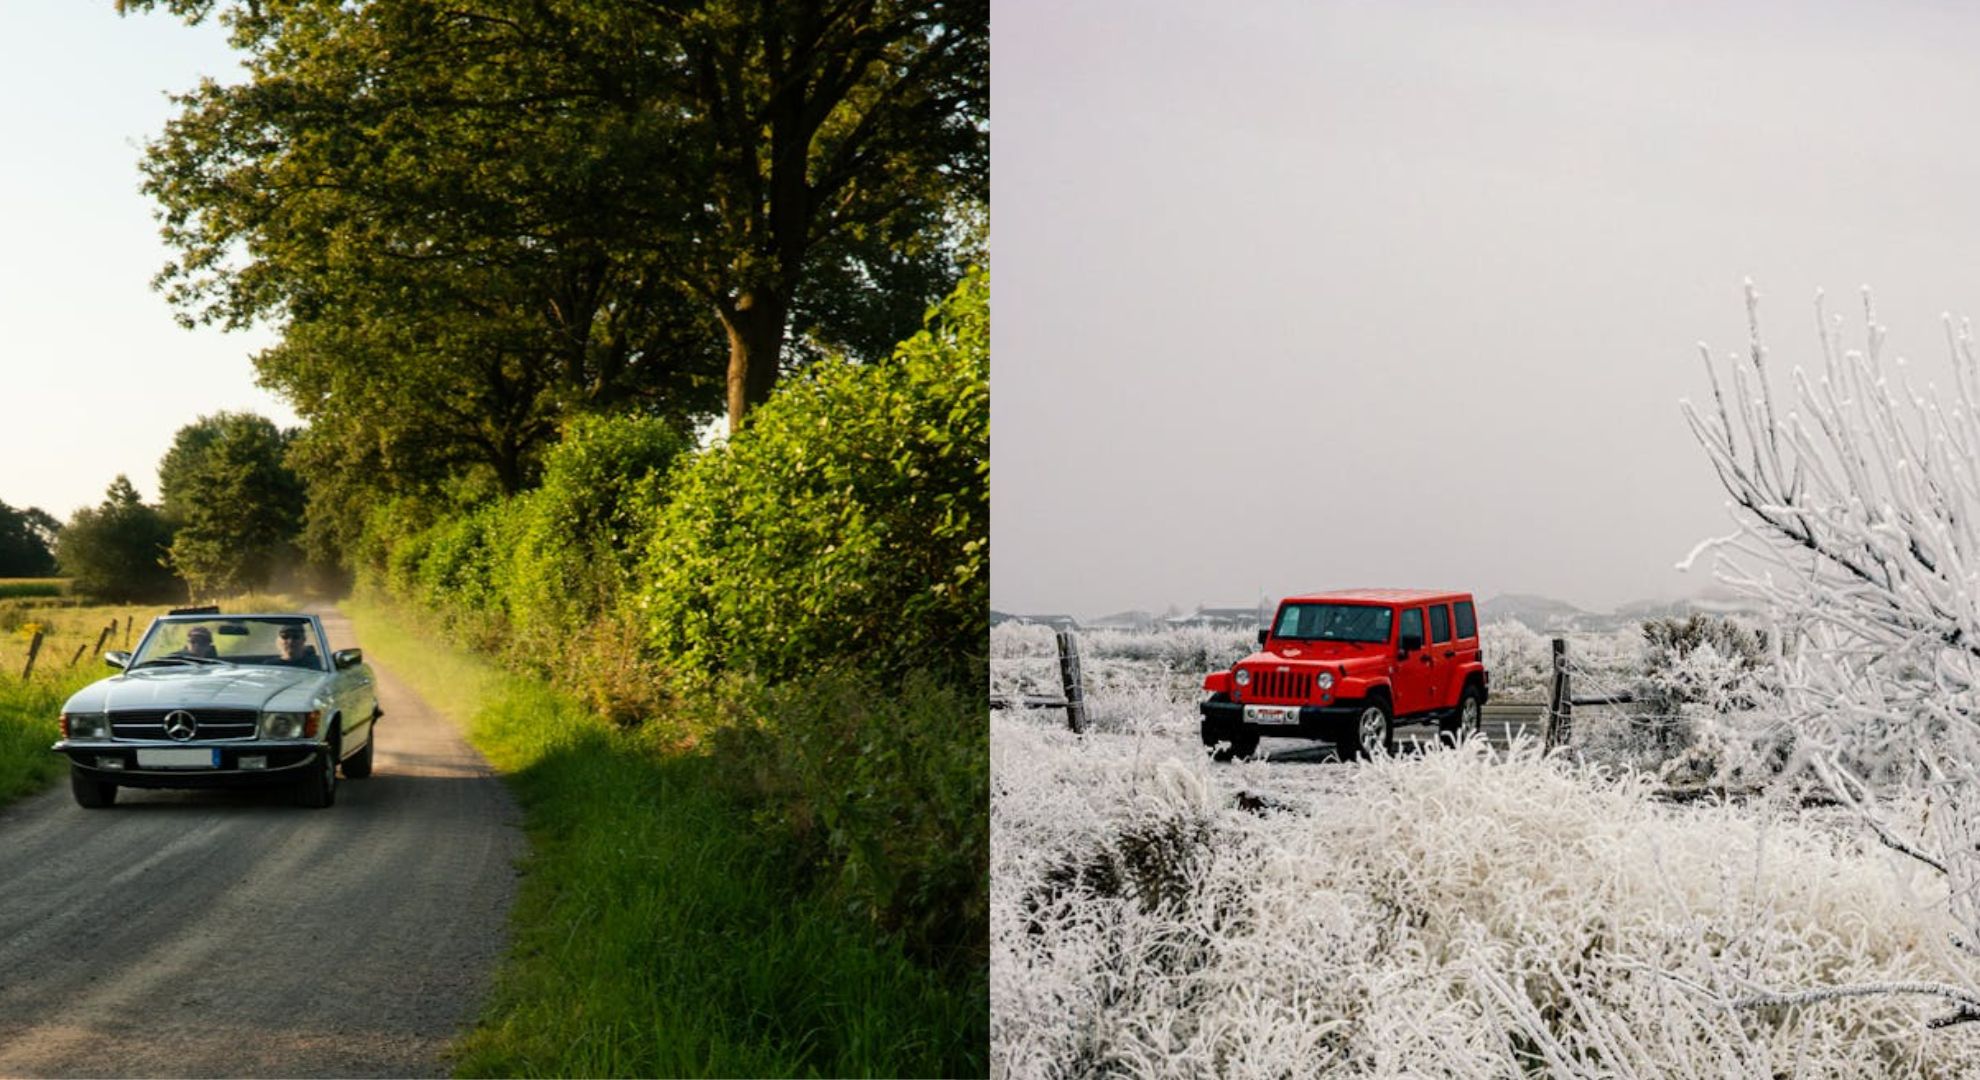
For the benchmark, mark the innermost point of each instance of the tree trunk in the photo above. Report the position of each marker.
(755, 323)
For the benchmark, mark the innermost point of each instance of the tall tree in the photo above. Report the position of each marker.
(27, 540)
(116, 550)
(237, 505)
(474, 220)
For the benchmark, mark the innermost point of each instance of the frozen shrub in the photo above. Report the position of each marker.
(1448, 914)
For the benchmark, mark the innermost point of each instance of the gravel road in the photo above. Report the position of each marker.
(189, 933)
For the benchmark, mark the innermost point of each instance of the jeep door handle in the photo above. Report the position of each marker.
(1448, 653)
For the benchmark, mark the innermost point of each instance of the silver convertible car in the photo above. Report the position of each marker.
(212, 700)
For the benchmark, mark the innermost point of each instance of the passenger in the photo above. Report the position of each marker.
(294, 652)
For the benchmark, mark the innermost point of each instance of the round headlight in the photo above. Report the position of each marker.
(1324, 681)
(1243, 677)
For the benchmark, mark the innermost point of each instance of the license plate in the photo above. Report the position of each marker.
(1271, 714)
(178, 759)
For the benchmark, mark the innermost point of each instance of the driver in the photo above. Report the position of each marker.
(294, 652)
(199, 642)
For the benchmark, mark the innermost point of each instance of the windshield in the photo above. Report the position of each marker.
(269, 641)
(1334, 622)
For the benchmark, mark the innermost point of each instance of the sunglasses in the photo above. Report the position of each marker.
(291, 635)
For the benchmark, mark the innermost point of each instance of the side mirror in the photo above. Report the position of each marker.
(1263, 635)
(117, 658)
(1409, 643)
(347, 658)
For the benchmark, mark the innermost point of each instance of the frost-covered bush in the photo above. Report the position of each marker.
(1856, 498)
(1448, 914)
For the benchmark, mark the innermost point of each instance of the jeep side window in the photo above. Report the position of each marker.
(1467, 620)
(1440, 624)
(1411, 623)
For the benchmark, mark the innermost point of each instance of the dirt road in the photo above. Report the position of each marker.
(188, 933)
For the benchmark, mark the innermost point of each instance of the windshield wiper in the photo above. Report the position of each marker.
(179, 660)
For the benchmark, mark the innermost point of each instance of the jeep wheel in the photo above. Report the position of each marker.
(358, 765)
(1372, 732)
(1224, 746)
(1465, 722)
(319, 788)
(95, 794)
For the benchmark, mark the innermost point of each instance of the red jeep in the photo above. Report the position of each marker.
(1348, 667)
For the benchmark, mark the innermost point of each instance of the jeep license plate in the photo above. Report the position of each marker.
(1271, 714)
(188, 758)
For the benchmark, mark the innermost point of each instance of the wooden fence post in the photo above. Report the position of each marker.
(103, 637)
(127, 631)
(1069, 677)
(1560, 706)
(34, 650)
(80, 649)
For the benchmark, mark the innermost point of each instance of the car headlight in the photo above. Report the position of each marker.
(1324, 681)
(288, 725)
(1242, 678)
(85, 725)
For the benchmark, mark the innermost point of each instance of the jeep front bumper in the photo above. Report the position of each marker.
(1224, 719)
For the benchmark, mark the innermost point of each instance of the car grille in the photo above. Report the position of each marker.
(215, 725)
(1280, 686)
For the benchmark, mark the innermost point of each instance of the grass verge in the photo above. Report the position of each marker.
(28, 708)
(661, 931)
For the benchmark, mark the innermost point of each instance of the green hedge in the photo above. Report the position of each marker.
(846, 526)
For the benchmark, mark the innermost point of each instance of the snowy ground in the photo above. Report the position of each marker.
(1444, 913)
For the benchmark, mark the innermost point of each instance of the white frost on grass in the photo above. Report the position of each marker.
(1447, 914)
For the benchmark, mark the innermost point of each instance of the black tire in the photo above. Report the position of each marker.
(1372, 728)
(1466, 722)
(358, 765)
(1226, 747)
(319, 788)
(92, 793)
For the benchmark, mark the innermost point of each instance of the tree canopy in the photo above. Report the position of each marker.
(236, 505)
(473, 222)
(116, 550)
(27, 540)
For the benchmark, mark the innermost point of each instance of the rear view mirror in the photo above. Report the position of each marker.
(1410, 641)
(345, 658)
(117, 658)
(1263, 634)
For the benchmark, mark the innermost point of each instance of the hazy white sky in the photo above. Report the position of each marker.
(1300, 295)
(95, 377)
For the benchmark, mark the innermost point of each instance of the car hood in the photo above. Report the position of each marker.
(1330, 652)
(214, 688)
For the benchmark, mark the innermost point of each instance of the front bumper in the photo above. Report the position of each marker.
(1224, 719)
(287, 761)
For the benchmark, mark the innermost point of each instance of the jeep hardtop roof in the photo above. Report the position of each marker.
(1377, 596)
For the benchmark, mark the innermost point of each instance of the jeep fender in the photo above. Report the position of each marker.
(1217, 682)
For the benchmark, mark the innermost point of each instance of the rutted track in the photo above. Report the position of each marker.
(190, 933)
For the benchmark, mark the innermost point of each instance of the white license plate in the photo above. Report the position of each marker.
(1271, 714)
(178, 759)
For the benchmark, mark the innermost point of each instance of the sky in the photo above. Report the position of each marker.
(95, 376)
(1295, 296)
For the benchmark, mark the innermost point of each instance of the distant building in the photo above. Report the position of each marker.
(1056, 622)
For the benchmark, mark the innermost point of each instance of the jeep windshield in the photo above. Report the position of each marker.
(269, 642)
(1362, 623)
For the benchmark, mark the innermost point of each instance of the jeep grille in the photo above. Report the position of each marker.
(1267, 685)
(215, 725)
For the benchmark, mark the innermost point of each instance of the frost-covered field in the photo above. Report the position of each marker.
(1446, 913)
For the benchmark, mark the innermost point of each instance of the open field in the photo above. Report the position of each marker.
(1475, 912)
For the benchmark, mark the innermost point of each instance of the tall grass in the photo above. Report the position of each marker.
(662, 929)
(28, 709)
